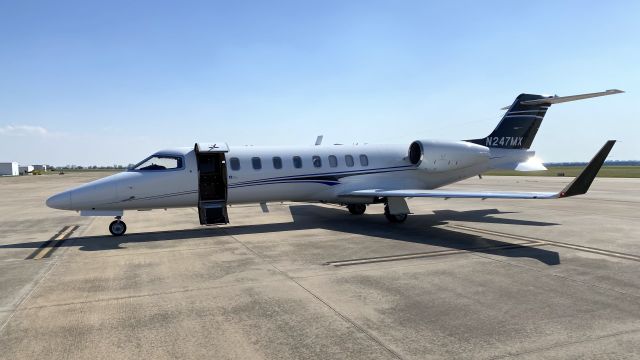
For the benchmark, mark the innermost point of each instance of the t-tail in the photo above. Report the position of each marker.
(521, 122)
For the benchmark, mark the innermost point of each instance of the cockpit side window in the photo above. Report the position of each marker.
(160, 162)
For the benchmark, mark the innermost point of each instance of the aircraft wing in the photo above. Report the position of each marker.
(578, 186)
(448, 194)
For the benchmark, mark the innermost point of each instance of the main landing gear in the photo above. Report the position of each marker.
(117, 227)
(394, 218)
(357, 209)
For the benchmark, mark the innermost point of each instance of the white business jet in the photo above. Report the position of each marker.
(211, 176)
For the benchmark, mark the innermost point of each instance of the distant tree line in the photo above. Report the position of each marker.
(89, 167)
(606, 163)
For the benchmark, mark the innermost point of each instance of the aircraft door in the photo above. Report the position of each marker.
(212, 183)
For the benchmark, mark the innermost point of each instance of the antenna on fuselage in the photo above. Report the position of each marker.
(319, 140)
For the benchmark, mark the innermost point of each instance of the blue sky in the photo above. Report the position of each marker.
(88, 82)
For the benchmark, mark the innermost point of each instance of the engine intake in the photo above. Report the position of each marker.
(415, 152)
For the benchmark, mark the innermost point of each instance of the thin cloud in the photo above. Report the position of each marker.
(24, 130)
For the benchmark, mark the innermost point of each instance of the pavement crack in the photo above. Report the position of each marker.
(159, 293)
(558, 276)
(569, 343)
(617, 254)
(52, 265)
(342, 316)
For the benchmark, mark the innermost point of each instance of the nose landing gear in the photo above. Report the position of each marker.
(117, 227)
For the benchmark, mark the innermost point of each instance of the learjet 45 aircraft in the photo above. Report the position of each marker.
(211, 176)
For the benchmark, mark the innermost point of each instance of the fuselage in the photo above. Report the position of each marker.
(274, 173)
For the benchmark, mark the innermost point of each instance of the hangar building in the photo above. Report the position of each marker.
(25, 169)
(9, 168)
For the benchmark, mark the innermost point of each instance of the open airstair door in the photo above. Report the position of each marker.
(212, 183)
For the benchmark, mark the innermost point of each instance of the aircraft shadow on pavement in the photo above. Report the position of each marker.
(420, 229)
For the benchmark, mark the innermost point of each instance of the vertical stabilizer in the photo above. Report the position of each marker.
(521, 122)
(518, 126)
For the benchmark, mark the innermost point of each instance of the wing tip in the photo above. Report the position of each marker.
(580, 185)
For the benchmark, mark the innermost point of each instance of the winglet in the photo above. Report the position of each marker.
(581, 184)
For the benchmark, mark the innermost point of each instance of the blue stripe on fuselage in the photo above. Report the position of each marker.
(276, 182)
(337, 174)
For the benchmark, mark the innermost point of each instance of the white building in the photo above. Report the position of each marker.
(40, 167)
(25, 169)
(9, 168)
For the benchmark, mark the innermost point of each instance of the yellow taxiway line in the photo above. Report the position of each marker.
(53, 243)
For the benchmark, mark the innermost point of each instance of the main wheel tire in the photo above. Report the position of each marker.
(117, 228)
(394, 218)
(357, 209)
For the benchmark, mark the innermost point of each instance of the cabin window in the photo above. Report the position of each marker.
(159, 162)
(277, 162)
(348, 159)
(256, 163)
(364, 160)
(235, 163)
(297, 162)
(333, 161)
(317, 162)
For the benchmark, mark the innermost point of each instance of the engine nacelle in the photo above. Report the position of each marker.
(439, 156)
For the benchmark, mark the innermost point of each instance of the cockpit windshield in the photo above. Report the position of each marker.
(159, 162)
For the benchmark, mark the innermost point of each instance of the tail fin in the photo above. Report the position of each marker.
(520, 123)
(518, 126)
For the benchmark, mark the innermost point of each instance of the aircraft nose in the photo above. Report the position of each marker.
(61, 201)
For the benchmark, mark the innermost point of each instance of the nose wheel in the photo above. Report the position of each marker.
(117, 227)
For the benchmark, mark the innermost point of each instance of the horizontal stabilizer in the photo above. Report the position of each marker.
(560, 99)
(578, 186)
